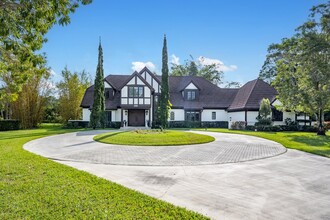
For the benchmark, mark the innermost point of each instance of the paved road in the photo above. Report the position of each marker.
(294, 185)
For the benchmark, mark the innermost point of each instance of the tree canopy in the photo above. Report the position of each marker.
(97, 114)
(164, 102)
(192, 68)
(299, 67)
(23, 26)
(71, 90)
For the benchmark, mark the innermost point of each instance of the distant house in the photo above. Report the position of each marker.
(132, 100)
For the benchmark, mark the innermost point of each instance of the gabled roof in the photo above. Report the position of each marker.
(210, 95)
(250, 95)
(192, 81)
(145, 69)
(140, 77)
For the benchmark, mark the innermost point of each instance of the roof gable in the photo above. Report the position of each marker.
(191, 85)
(147, 71)
(249, 96)
(136, 74)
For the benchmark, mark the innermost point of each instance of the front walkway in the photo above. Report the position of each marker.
(294, 185)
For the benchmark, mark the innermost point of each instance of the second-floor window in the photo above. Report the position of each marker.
(191, 95)
(135, 91)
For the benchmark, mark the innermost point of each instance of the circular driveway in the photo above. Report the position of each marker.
(227, 148)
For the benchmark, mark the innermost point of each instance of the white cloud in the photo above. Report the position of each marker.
(137, 66)
(220, 65)
(175, 60)
(52, 72)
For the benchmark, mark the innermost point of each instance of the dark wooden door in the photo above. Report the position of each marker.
(136, 117)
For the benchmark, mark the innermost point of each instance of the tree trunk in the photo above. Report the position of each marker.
(321, 130)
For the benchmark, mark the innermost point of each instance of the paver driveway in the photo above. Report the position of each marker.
(294, 185)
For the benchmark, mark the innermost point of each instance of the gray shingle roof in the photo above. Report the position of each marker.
(247, 97)
(250, 95)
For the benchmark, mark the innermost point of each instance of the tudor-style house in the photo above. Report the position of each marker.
(132, 100)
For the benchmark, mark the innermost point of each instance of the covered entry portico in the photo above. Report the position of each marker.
(136, 117)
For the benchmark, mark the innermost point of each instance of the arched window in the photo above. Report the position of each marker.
(172, 116)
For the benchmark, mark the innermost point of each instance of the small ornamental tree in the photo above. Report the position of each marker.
(97, 118)
(164, 102)
(264, 113)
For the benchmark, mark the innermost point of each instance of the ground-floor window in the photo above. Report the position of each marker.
(214, 115)
(172, 116)
(108, 116)
(277, 115)
(192, 115)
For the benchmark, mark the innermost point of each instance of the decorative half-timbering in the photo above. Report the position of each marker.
(132, 100)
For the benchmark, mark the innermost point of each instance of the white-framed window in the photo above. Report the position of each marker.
(172, 116)
(214, 115)
(191, 95)
(135, 91)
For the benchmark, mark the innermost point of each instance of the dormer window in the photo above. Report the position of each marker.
(190, 94)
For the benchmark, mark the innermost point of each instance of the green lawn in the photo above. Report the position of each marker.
(153, 138)
(304, 141)
(33, 187)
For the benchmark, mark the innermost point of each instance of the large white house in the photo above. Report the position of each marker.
(132, 100)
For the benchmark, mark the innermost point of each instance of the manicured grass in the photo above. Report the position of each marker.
(153, 138)
(33, 187)
(304, 141)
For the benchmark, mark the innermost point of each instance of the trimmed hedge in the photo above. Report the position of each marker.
(76, 124)
(195, 124)
(116, 124)
(8, 125)
(277, 128)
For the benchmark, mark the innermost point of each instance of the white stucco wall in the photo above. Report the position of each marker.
(191, 86)
(116, 115)
(221, 115)
(86, 114)
(178, 114)
(106, 85)
(286, 115)
(251, 117)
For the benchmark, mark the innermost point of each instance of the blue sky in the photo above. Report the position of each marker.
(236, 33)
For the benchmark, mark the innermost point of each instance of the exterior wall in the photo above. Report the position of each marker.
(191, 86)
(235, 116)
(106, 85)
(251, 117)
(116, 115)
(221, 115)
(178, 115)
(286, 115)
(86, 114)
(150, 79)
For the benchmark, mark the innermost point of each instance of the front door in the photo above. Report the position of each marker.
(136, 117)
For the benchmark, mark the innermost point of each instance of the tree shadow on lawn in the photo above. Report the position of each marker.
(108, 136)
(316, 141)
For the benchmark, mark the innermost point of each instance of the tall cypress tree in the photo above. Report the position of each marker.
(97, 118)
(164, 103)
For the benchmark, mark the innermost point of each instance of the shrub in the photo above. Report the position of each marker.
(263, 121)
(327, 125)
(308, 128)
(238, 125)
(113, 124)
(76, 124)
(7, 125)
(214, 124)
